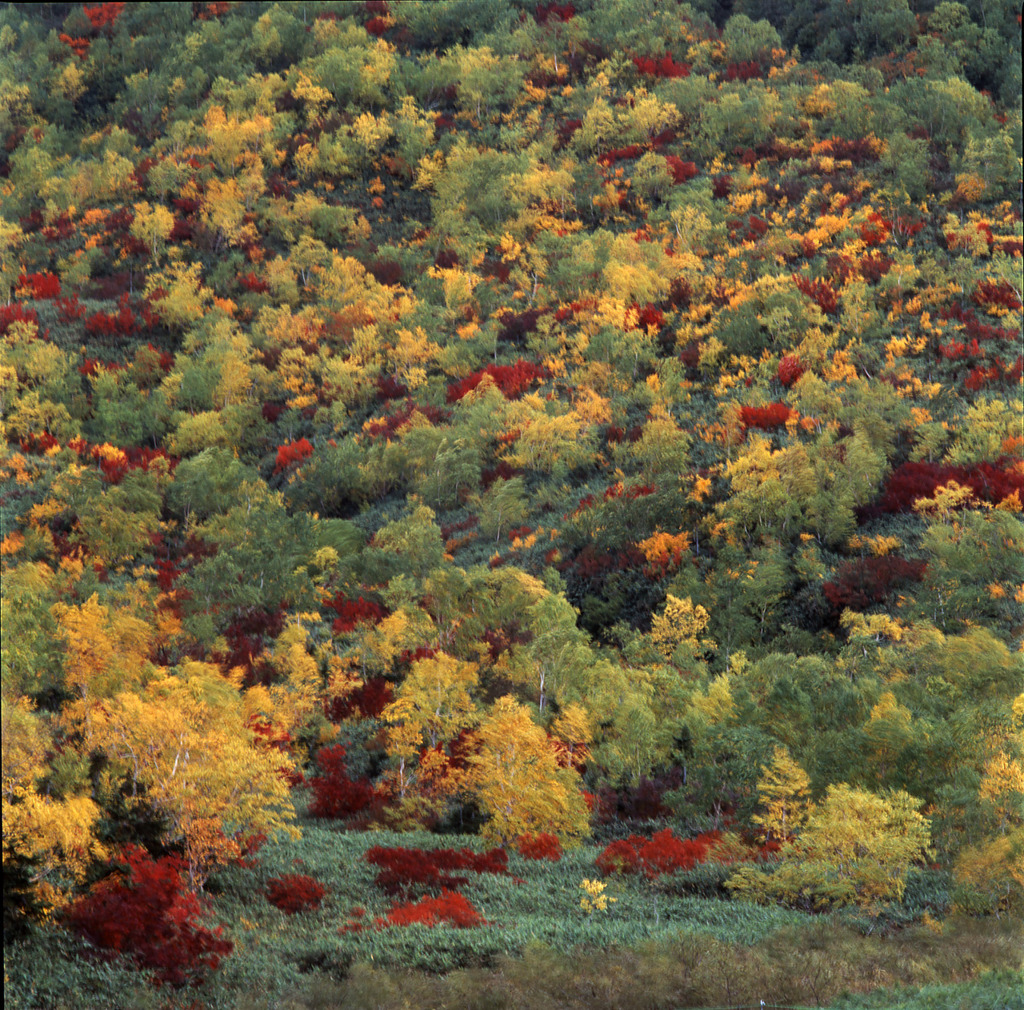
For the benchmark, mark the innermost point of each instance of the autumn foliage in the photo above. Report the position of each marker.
(145, 912)
(295, 892)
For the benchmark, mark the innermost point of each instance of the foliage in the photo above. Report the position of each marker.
(533, 420)
(148, 914)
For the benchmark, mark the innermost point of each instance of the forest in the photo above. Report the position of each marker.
(510, 504)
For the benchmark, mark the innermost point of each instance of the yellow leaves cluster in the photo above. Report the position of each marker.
(879, 546)
(665, 545)
(680, 622)
(594, 899)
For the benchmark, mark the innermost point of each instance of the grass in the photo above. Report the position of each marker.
(652, 950)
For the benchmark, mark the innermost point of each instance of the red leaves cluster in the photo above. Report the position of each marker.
(973, 328)
(122, 323)
(819, 291)
(745, 70)
(512, 380)
(38, 286)
(145, 913)
(876, 230)
(996, 294)
(136, 458)
(403, 871)
(295, 892)
(648, 318)
(990, 482)
(292, 453)
(681, 171)
(660, 854)
(448, 909)
(70, 309)
(357, 611)
(389, 426)
(103, 14)
(767, 418)
(664, 66)
(858, 151)
(335, 795)
(790, 370)
(368, 700)
(541, 846)
(721, 186)
(78, 44)
(554, 12)
(874, 266)
(864, 581)
(754, 228)
(253, 283)
(981, 376)
(16, 314)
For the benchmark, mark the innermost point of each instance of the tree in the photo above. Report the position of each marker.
(517, 781)
(856, 848)
(186, 751)
(783, 791)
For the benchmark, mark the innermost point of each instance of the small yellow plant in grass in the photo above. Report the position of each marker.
(595, 900)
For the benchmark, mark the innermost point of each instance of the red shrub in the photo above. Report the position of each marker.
(721, 186)
(857, 151)
(649, 318)
(103, 14)
(78, 44)
(292, 453)
(553, 12)
(744, 71)
(403, 871)
(663, 67)
(681, 171)
(874, 266)
(542, 846)
(774, 415)
(253, 283)
(512, 380)
(990, 482)
(357, 611)
(39, 286)
(70, 309)
(450, 908)
(389, 388)
(790, 370)
(819, 291)
(980, 377)
(145, 913)
(369, 700)
(876, 230)
(16, 314)
(864, 581)
(335, 795)
(113, 324)
(994, 293)
(660, 854)
(295, 892)
(620, 154)
(376, 26)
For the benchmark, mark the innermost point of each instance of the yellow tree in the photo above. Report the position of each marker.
(106, 653)
(52, 835)
(518, 783)
(185, 749)
(783, 791)
(439, 692)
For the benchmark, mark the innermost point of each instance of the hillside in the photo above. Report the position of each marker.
(586, 439)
